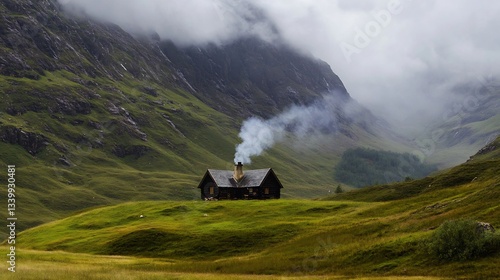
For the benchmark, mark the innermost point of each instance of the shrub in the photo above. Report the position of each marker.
(339, 189)
(462, 240)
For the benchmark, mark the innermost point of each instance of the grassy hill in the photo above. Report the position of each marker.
(377, 231)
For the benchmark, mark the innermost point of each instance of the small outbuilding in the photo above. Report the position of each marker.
(227, 184)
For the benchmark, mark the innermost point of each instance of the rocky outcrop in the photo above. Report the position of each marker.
(39, 37)
(487, 149)
(151, 91)
(484, 227)
(136, 151)
(32, 142)
(126, 124)
(71, 107)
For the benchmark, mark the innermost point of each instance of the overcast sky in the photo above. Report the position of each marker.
(398, 58)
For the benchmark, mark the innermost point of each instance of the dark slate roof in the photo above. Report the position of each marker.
(251, 178)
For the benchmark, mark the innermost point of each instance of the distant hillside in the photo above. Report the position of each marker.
(482, 171)
(471, 120)
(363, 167)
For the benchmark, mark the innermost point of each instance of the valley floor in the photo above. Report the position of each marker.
(276, 239)
(37, 265)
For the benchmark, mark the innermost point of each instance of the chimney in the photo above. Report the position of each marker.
(238, 172)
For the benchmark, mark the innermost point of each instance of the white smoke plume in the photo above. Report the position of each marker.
(259, 135)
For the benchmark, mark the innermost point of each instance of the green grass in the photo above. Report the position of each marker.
(62, 265)
(299, 237)
(375, 232)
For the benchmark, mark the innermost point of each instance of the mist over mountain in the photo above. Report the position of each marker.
(399, 58)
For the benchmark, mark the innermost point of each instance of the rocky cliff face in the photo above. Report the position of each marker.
(245, 77)
(57, 64)
(250, 76)
(37, 37)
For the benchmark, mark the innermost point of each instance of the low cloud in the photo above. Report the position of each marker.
(411, 62)
(186, 22)
(415, 59)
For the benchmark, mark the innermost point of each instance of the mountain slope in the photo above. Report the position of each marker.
(250, 76)
(377, 231)
(91, 115)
